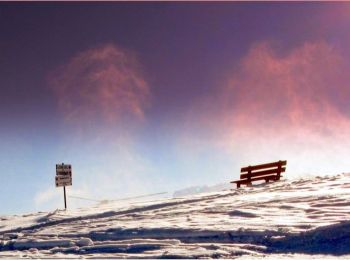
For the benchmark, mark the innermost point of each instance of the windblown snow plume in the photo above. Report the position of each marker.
(102, 96)
(283, 105)
(101, 85)
(307, 88)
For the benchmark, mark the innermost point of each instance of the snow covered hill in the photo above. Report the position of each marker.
(308, 218)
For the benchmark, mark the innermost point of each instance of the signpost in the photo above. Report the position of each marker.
(63, 178)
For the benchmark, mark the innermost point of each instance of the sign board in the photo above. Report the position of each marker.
(63, 175)
(63, 178)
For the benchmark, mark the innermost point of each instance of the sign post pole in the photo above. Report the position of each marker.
(65, 200)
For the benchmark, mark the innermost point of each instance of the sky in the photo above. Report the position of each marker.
(159, 96)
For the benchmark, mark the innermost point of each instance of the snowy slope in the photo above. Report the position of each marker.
(308, 218)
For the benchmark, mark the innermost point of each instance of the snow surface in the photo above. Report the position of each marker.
(307, 218)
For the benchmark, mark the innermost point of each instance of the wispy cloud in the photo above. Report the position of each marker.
(102, 85)
(303, 88)
(283, 106)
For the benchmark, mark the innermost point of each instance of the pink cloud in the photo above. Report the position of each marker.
(101, 85)
(300, 89)
(291, 106)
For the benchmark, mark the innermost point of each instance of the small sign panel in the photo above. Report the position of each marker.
(63, 178)
(63, 175)
(61, 183)
(64, 166)
(63, 171)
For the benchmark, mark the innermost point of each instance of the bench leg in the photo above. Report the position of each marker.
(278, 176)
(238, 185)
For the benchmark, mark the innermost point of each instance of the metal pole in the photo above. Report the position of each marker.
(65, 202)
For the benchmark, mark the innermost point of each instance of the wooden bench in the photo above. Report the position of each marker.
(267, 172)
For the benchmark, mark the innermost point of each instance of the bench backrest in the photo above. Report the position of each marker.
(263, 170)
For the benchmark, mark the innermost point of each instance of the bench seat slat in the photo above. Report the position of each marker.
(246, 181)
(263, 166)
(261, 173)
